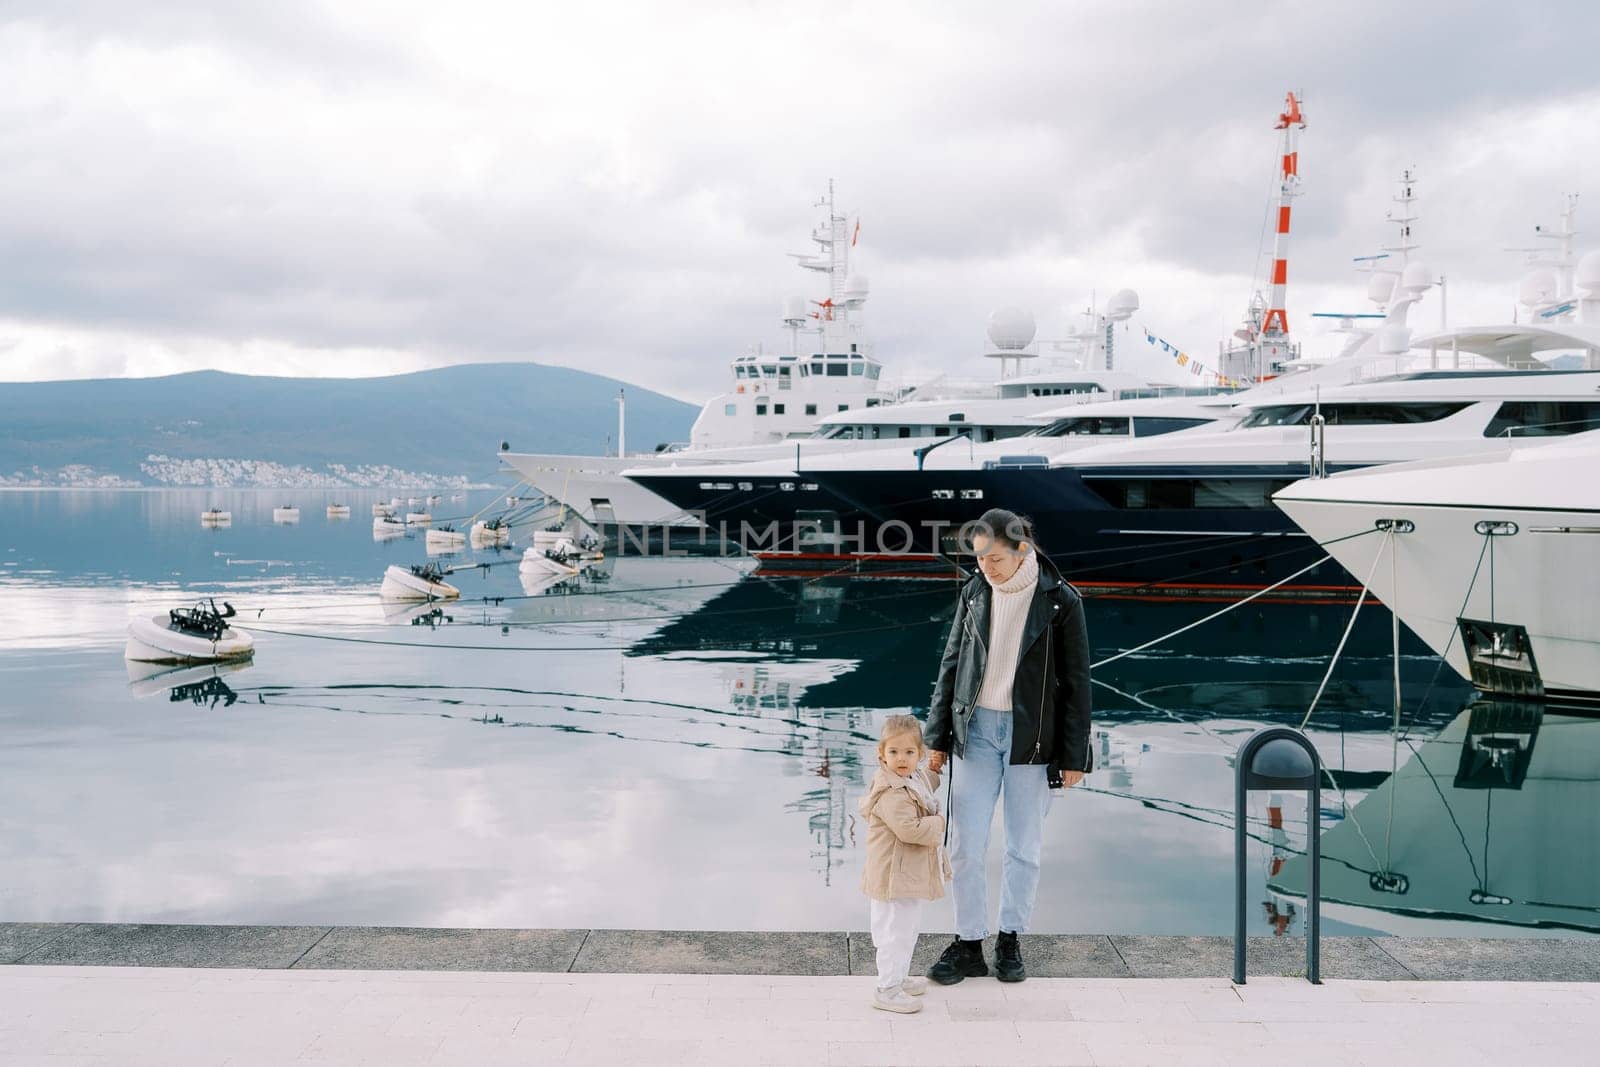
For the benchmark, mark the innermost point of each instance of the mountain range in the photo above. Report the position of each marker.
(439, 426)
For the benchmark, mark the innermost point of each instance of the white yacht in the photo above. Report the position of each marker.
(1493, 560)
(836, 396)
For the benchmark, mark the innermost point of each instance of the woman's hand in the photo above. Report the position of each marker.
(936, 761)
(1070, 778)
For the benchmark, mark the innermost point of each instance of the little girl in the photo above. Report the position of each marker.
(905, 863)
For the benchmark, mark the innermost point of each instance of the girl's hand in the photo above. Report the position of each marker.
(936, 761)
(1070, 778)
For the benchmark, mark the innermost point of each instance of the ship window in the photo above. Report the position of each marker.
(777, 409)
(1352, 414)
(808, 487)
(769, 369)
(811, 409)
(1097, 426)
(905, 431)
(1169, 494)
(877, 432)
(1543, 418)
(805, 371)
(783, 372)
(730, 410)
(958, 416)
(738, 372)
(855, 368)
(873, 370)
(761, 409)
(787, 487)
(941, 431)
(838, 370)
(745, 487)
(844, 407)
(1156, 427)
(872, 401)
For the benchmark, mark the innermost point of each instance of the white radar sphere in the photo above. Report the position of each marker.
(1011, 329)
(1538, 287)
(1122, 305)
(1416, 277)
(1589, 273)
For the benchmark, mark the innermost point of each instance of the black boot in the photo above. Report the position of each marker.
(963, 959)
(1008, 958)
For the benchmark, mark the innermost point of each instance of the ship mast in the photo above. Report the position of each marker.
(1275, 326)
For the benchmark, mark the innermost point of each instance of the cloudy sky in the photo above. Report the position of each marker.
(357, 188)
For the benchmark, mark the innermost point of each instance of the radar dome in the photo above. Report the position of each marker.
(1122, 305)
(794, 309)
(1380, 287)
(1416, 277)
(1589, 273)
(1538, 287)
(855, 289)
(1011, 329)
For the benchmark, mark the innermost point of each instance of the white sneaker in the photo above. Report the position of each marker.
(915, 986)
(895, 1000)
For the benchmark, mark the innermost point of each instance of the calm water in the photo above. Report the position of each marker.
(682, 743)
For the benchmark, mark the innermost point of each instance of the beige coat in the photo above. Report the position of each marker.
(903, 838)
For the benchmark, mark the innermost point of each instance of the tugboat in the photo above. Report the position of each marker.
(199, 634)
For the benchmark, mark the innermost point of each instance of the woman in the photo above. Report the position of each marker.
(1012, 703)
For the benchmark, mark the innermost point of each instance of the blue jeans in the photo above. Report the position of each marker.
(977, 780)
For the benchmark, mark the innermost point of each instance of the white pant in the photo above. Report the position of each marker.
(895, 925)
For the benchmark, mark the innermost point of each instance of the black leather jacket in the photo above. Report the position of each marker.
(1050, 701)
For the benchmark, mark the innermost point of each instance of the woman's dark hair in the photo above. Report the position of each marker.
(1006, 527)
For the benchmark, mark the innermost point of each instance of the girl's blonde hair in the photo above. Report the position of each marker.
(894, 726)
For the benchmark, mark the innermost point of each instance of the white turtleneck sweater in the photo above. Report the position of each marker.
(1008, 610)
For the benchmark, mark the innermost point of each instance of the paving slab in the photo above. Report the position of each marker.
(1045, 955)
(712, 952)
(19, 939)
(177, 945)
(400, 948)
(1531, 959)
(1284, 957)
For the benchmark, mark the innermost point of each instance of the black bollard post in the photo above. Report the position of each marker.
(1279, 758)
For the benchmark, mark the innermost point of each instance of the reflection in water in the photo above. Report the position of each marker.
(1494, 821)
(525, 756)
(199, 684)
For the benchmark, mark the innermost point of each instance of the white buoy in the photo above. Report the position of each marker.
(417, 582)
(288, 513)
(187, 635)
(537, 561)
(490, 534)
(338, 511)
(418, 518)
(444, 539)
(216, 517)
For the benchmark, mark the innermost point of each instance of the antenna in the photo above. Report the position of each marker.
(1276, 323)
